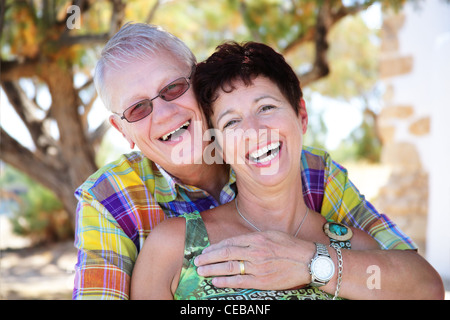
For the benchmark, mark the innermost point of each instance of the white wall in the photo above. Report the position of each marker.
(426, 36)
(438, 232)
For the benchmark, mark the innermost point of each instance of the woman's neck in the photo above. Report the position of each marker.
(278, 207)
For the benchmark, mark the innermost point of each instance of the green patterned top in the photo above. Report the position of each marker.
(194, 287)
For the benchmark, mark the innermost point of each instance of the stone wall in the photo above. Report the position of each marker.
(405, 197)
(414, 126)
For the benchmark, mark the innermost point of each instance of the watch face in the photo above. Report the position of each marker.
(323, 268)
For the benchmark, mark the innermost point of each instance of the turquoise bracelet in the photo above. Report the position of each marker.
(338, 233)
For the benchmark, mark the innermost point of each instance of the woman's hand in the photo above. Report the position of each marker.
(276, 261)
(272, 261)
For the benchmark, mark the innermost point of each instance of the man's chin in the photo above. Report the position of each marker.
(186, 154)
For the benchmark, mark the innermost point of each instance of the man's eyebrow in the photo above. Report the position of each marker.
(133, 100)
(138, 97)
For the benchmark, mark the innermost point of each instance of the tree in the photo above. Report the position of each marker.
(49, 42)
(41, 47)
(354, 56)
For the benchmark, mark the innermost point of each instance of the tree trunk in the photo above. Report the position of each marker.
(63, 164)
(75, 149)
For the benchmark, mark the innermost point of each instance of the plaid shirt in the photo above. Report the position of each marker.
(121, 203)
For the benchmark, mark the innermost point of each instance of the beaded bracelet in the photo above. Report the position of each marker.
(340, 268)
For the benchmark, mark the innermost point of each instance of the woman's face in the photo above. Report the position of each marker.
(259, 131)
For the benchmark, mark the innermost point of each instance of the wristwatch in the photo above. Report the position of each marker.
(338, 233)
(321, 266)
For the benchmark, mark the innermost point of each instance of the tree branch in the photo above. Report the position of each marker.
(87, 40)
(86, 84)
(243, 10)
(87, 108)
(301, 39)
(15, 70)
(46, 146)
(152, 12)
(117, 17)
(3, 8)
(96, 136)
(326, 19)
(15, 154)
(24, 109)
(320, 66)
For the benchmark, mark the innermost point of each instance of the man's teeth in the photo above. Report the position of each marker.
(167, 136)
(267, 153)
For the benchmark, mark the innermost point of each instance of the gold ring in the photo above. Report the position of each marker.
(242, 266)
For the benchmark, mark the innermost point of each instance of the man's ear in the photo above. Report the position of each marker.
(303, 115)
(116, 123)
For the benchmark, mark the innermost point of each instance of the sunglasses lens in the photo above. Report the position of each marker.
(170, 92)
(139, 111)
(174, 89)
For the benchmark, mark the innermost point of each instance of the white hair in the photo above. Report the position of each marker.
(133, 42)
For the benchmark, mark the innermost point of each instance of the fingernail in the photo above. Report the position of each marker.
(206, 249)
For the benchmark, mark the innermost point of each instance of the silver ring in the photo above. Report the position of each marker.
(242, 266)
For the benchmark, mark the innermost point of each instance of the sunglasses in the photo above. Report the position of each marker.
(172, 91)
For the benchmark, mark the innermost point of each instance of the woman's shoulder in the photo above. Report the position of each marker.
(168, 232)
(159, 261)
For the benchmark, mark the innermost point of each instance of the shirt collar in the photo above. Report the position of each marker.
(167, 186)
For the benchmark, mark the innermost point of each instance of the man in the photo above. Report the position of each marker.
(143, 78)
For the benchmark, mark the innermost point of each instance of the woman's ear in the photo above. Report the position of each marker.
(303, 115)
(116, 123)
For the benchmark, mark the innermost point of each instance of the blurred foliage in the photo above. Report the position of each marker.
(39, 214)
(362, 144)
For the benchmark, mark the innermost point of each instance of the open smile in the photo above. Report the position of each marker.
(172, 136)
(265, 154)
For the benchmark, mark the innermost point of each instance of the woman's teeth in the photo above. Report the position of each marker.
(266, 153)
(174, 134)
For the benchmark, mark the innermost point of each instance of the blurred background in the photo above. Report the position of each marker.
(374, 75)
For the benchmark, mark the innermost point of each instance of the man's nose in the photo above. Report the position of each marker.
(163, 110)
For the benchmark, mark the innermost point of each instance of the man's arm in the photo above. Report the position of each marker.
(342, 202)
(115, 213)
(106, 255)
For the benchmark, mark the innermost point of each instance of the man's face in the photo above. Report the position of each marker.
(170, 134)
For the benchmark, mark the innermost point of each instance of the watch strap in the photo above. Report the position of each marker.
(321, 251)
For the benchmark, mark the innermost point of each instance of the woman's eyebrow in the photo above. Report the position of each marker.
(231, 110)
(266, 96)
(256, 100)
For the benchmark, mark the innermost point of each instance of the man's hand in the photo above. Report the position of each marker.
(272, 261)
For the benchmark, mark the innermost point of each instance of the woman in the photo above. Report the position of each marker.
(253, 99)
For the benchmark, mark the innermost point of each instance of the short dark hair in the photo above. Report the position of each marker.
(232, 61)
